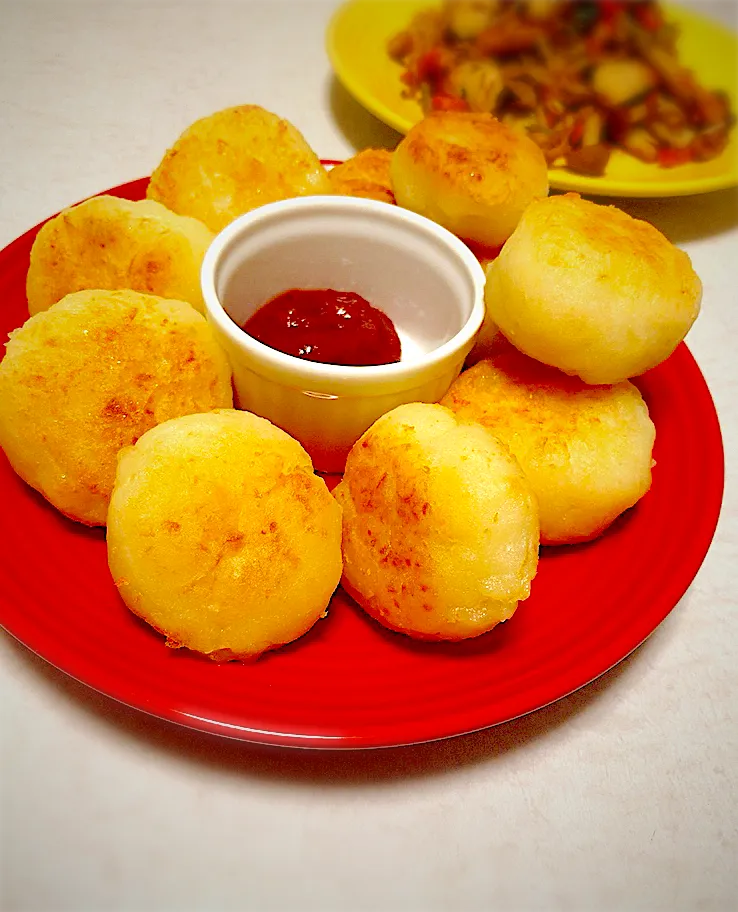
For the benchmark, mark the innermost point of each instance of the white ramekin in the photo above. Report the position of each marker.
(424, 278)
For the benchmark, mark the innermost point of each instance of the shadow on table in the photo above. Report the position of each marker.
(684, 218)
(681, 219)
(360, 128)
(342, 768)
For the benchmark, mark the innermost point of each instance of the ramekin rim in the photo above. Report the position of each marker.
(318, 371)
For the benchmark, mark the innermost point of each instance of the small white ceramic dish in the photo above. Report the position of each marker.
(424, 278)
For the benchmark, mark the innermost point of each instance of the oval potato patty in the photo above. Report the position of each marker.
(112, 243)
(440, 526)
(88, 376)
(591, 290)
(221, 536)
(470, 173)
(586, 450)
(232, 161)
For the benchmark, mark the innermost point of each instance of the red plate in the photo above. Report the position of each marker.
(350, 683)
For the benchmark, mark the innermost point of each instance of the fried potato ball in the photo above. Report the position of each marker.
(365, 174)
(221, 537)
(440, 526)
(233, 161)
(470, 173)
(591, 290)
(113, 243)
(90, 375)
(586, 450)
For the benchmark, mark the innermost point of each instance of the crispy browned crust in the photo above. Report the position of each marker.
(469, 172)
(586, 450)
(112, 243)
(440, 527)
(234, 160)
(366, 174)
(591, 290)
(89, 376)
(221, 536)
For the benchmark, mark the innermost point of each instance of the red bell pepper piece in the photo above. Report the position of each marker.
(648, 16)
(448, 103)
(609, 9)
(430, 66)
(669, 158)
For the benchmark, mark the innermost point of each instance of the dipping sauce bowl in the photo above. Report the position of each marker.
(419, 274)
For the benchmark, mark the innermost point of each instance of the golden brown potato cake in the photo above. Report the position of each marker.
(365, 174)
(90, 375)
(586, 450)
(233, 161)
(221, 537)
(113, 243)
(591, 290)
(470, 173)
(440, 526)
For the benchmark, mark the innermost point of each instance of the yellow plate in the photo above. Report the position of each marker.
(357, 48)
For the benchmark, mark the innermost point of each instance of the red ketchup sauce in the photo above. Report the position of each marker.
(332, 327)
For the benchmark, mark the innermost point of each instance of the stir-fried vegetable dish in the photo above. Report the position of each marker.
(583, 78)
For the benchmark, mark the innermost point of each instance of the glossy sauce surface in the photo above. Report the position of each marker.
(328, 326)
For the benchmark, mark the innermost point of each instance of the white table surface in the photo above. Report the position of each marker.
(623, 796)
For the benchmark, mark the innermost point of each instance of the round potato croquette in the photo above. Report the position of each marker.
(586, 450)
(440, 526)
(90, 375)
(230, 162)
(113, 243)
(221, 536)
(470, 173)
(591, 290)
(366, 174)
